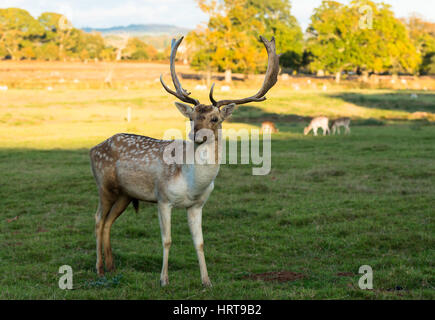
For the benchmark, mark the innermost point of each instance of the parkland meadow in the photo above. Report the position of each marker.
(329, 205)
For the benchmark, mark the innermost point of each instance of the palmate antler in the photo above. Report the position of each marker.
(270, 78)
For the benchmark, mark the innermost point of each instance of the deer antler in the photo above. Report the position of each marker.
(180, 93)
(270, 78)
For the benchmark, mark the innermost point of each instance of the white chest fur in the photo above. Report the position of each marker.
(194, 184)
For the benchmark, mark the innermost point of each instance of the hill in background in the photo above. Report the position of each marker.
(158, 35)
(141, 30)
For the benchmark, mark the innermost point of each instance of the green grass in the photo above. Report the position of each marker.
(329, 205)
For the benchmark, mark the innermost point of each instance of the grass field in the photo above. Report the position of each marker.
(329, 205)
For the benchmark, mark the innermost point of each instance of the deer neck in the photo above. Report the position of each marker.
(204, 170)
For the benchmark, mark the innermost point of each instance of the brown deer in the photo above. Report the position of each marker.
(128, 168)
(268, 127)
(340, 122)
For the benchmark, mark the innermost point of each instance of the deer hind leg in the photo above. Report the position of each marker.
(165, 229)
(347, 130)
(194, 218)
(315, 131)
(117, 209)
(103, 209)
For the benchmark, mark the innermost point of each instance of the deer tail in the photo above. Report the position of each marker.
(136, 205)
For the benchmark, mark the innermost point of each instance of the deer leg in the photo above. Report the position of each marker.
(165, 229)
(103, 208)
(117, 209)
(194, 218)
(347, 130)
(315, 131)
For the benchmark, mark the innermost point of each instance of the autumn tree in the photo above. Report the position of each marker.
(229, 41)
(137, 49)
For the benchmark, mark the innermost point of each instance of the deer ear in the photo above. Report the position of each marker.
(227, 110)
(185, 109)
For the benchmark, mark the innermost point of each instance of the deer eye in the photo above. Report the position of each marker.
(214, 119)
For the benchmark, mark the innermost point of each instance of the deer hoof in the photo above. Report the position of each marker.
(164, 281)
(207, 283)
(100, 271)
(110, 268)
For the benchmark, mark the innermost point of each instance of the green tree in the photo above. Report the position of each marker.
(58, 30)
(278, 21)
(330, 34)
(47, 51)
(339, 42)
(386, 46)
(18, 27)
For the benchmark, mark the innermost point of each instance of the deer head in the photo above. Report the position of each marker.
(306, 130)
(210, 117)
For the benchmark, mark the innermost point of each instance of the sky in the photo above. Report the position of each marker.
(182, 13)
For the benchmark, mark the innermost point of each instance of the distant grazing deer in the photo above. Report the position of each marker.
(129, 167)
(268, 127)
(316, 123)
(340, 122)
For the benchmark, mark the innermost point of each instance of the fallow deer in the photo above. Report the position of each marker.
(340, 122)
(128, 168)
(315, 124)
(268, 127)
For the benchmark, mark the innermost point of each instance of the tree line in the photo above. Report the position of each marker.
(52, 37)
(362, 37)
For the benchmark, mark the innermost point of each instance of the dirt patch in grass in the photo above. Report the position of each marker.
(280, 276)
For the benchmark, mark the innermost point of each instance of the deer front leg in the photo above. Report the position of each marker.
(165, 229)
(194, 217)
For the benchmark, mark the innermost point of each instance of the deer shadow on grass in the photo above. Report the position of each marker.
(400, 101)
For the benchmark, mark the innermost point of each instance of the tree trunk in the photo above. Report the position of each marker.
(208, 77)
(338, 77)
(365, 76)
(228, 76)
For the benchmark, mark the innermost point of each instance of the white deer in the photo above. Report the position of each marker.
(315, 124)
(129, 167)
